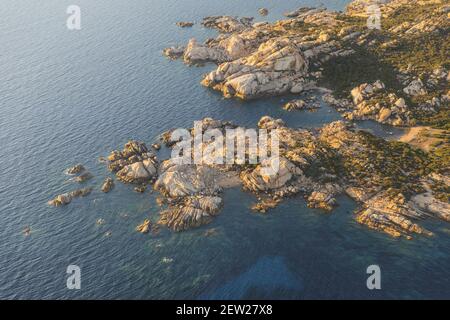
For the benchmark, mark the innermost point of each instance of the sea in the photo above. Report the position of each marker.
(72, 96)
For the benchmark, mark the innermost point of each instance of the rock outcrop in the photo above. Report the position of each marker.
(198, 53)
(181, 180)
(299, 104)
(227, 24)
(138, 172)
(107, 185)
(263, 11)
(257, 180)
(390, 214)
(372, 101)
(193, 194)
(185, 24)
(276, 67)
(190, 212)
(319, 164)
(144, 227)
(321, 200)
(415, 88)
(76, 169)
(291, 55)
(66, 198)
(134, 164)
(174, 52)
(83, 177)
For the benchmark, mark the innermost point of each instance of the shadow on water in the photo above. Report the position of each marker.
(262, 280)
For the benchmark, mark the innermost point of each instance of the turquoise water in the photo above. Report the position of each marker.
(69, 97)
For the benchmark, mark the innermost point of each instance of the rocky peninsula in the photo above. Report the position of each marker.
(393, 182)
(397, 75)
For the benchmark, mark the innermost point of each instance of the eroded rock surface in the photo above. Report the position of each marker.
(190, 212)
(134, 164)
(144, 227)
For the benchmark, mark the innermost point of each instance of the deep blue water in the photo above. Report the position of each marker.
(71, 96)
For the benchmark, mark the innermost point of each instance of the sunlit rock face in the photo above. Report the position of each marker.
(134, 164)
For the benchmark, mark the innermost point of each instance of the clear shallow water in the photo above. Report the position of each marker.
(70, 97)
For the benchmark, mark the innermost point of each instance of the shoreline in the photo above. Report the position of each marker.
(312, 46)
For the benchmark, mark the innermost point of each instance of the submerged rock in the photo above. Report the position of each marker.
(27, 231)
(263, 11)
(108, 184)
(85, 176)
(140, 189)
(76, 169)
(300, 104)
(266, 204)
(66, 198)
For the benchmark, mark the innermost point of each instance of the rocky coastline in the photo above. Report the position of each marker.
(395, 184)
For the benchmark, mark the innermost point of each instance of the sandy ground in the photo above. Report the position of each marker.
(424, 138)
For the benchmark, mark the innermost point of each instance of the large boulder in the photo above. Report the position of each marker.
(198, 53)
(134, 164)
(415, 88)
(181, 180)
(258, 180)
(373, 101)
(138, 172)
